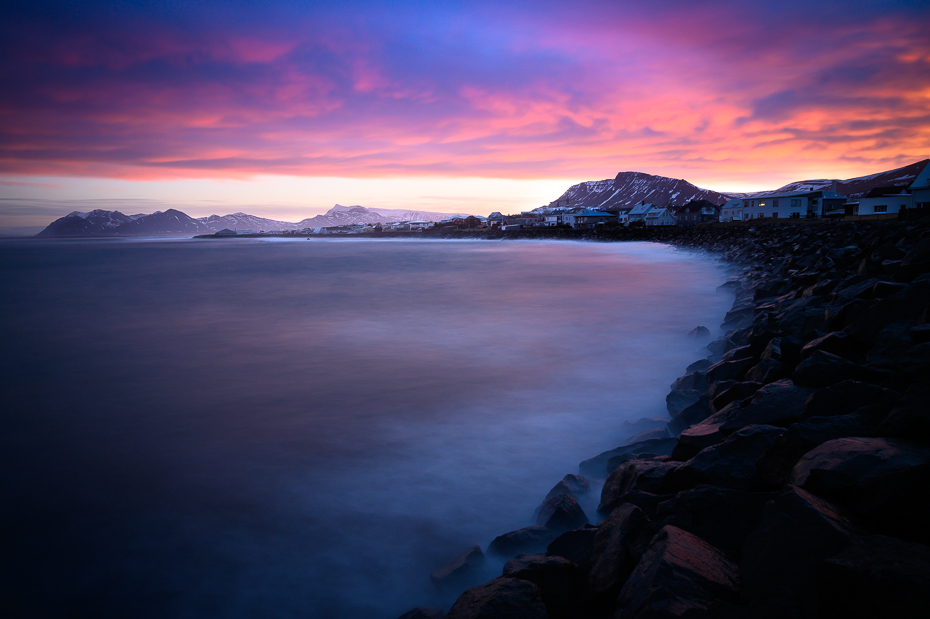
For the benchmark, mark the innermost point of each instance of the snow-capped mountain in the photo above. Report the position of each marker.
(628, 189)
(345, 215)
(94, 223)
(859, 186)
(244, 221)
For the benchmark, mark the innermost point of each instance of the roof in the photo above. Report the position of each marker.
(640, 209)
(595, 214)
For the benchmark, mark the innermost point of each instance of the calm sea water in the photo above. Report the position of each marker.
(308, 428)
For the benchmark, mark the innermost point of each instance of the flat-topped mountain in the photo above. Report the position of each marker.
(628, 189)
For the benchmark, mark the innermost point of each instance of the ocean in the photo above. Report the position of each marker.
(270, 428)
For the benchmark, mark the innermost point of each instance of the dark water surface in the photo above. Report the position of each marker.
(306, 429)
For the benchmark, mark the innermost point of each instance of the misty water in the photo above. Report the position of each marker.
(238, 428)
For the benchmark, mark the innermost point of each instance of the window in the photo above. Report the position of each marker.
(796, 202)
(761, 203)
(881, 208)
(775, 215)
(775, 203)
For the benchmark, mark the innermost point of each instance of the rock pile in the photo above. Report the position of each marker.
(793, 481)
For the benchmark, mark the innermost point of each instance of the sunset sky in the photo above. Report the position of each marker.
(282, 109)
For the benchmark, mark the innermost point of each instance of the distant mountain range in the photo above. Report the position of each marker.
(113, 223)
(628, 189)
(625, 190)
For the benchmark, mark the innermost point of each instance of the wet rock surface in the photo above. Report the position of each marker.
(794, 480)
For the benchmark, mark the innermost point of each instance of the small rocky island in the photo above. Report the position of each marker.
(791, 478)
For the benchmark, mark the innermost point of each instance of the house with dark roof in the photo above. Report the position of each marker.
(697, 212)
(792, 205)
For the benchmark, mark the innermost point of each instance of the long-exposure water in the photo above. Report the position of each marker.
(308, 428)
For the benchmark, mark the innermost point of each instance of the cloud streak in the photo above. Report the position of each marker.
(724, 91)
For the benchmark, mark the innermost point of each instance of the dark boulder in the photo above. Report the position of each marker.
(732, 463)
(680, 574)
(910, 417)
(465, 571)
(778, 404)
(768, 371)
(729, 370)
(574, 485)
(501, 598)
(561, 513)
(596, 467)
(575, 546)
(823, 369)
(699, 366)
(677, 401)
(695, 380)
(781, 558)
(697, 412)
(560, 582)
(526, 540)
(699, 333)
(837, 343)
(721, 516)
(778, 462)
(735, 392)
(696, 438)
(847, 397)
(645, 475)
(876, 576)
(920, 334)
(620, 542)
(881, 479)
(648, 435)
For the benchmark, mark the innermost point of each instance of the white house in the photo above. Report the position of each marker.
(660, 216)
(881, 203)
(639, 211)
(732, 210)
(791, 205)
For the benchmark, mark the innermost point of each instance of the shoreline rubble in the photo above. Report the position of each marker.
(792, 477)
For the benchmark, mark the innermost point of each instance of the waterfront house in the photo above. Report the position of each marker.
(792, 204)
(880, 203)
(696, 212)
(660, 216)
(586, 220)
(639, 211)
(495, 219)
(732, 210)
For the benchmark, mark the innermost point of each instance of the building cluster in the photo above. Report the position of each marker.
(879, 203)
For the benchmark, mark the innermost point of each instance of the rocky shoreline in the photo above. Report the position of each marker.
(791, 477)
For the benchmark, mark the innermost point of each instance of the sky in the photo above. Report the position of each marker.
(282, 109)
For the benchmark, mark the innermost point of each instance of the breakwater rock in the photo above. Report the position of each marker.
(792, 477)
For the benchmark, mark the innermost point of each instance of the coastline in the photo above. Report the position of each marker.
(789, 468)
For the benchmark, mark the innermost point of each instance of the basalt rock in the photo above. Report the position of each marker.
(575, 546)
(910, 418)
(560, 582)
(573, 485)
(778, 462)
(526, 540)
(876, 576)
(877, 478)
(779, 404)
(679, 575)
(697, 412)
(561, 513)
(596, 467)
(736, 391)
(823, 369)
(782, 557)
(696, 438)
(645, 475)
(677, 401)
(721, 516)
(847, 397)
(619, 544)
(465, 571)
(501, 598)
(732, 463)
